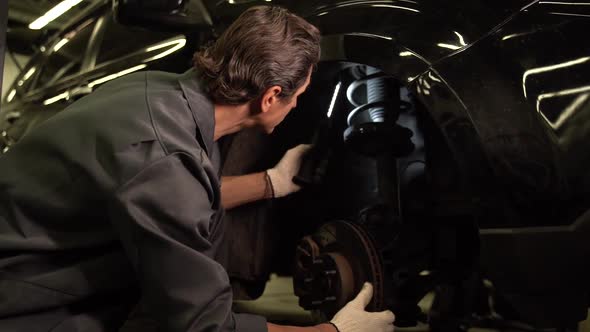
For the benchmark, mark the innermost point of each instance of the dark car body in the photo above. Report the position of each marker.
(496, 188)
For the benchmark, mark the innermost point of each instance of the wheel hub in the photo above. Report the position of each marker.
(333, 264)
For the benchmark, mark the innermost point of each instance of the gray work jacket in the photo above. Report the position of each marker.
(118, 191)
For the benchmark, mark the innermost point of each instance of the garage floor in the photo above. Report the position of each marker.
(279, 305)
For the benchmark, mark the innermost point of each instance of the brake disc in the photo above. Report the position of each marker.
(332, 265)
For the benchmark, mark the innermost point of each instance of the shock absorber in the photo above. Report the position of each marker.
(371, 124)
(376, 95)
(373, 131)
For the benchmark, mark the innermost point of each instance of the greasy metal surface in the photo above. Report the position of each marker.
(333, 264)
(518, 125)
(421, 25)
(514, 110)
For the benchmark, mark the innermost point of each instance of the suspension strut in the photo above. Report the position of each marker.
(333, 263)
(371, 124)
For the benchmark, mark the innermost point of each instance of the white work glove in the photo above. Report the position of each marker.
(354, 318)
(281, 176)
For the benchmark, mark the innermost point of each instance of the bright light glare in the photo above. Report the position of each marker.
(11, 95)
(372, 35)
(514, 35)
(566, 92)
(53, 13)
(29, 73)
(334, 97)
(60, 44)
(567, 113)
(461, 39)
(565, 3)
(179, 43)
(449, 46)
(550, 68)
(397, 7)
(57, 98)
(433, 78)
(405, 53)
(116, 75)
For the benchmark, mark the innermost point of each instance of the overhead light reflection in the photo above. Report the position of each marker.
(53, 13)
(433, 77)
(510, 36)
(116, 75)
(461, 39)
(405, 53)
(564, 3)
(334, 97)
(179, 43)
(11, 95)
(166, 44)
(29, 73)
(567, 113)
(27, 76)
(449, 46)
(364, 34)
(57, 98)
(397, 7)
(60, 44)
(561, 93)
(514, 35)
(549, 68)
(569, 14)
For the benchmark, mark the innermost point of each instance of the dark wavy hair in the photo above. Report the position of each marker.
(264, 47)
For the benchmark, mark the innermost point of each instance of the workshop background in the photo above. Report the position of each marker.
(35, 27)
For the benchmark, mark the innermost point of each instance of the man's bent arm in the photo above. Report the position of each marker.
(243, 189)
(169, 243)
(317, 328)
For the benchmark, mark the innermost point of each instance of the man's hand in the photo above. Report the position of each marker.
(281, 176)
(354, 318)
(275, 182)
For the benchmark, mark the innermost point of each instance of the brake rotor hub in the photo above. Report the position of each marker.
(333, 264)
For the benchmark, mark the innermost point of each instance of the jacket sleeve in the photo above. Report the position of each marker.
(164, 216)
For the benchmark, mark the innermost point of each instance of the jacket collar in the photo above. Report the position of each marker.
(201, 107)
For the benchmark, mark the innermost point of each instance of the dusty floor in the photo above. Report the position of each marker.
(279, 305)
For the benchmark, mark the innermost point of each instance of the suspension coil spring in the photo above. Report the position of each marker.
(372, 127)
(380, 104)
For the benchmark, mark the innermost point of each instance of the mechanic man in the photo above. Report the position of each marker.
(119, 194)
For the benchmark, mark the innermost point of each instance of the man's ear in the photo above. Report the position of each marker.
(270, 97)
